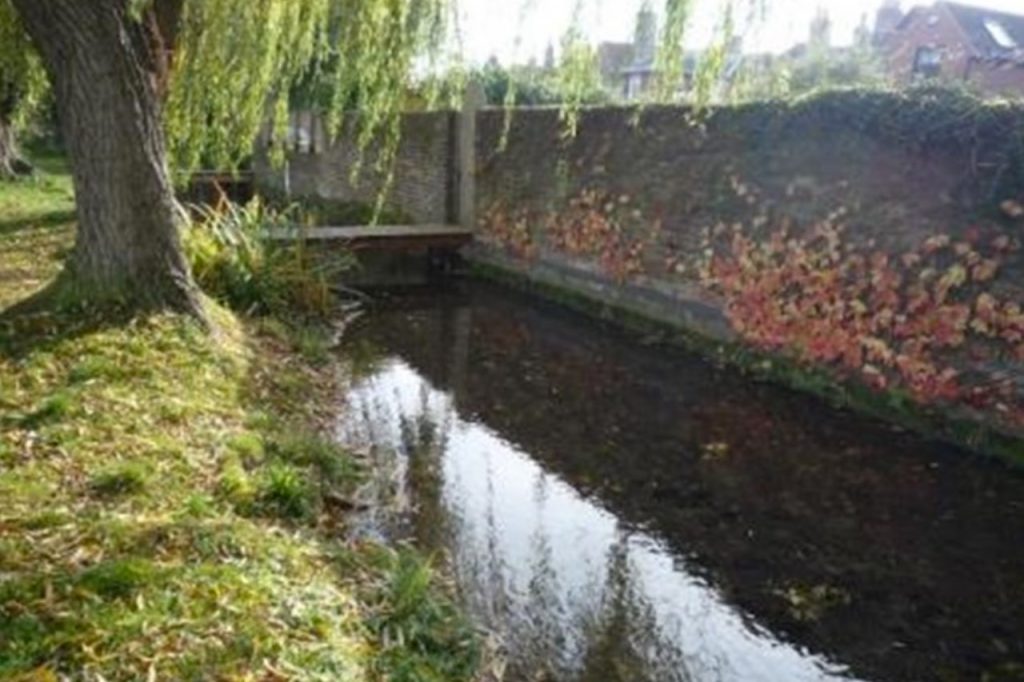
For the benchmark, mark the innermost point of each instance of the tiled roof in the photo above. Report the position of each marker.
(613, 57)
(992, 34)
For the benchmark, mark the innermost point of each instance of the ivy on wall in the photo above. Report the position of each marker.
(594, 225)
(923, 321)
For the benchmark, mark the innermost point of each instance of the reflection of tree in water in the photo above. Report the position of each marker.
(406, 480)
(424, 438)
(492, 584)
(385, 491)
(608, 633)
(541, 625)
(623, 639)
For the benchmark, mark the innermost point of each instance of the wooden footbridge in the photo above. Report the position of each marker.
(382, 237)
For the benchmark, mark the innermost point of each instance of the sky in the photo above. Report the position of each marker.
(501, 27)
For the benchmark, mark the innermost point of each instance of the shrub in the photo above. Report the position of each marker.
(286, 492)
(331, 463)
(235, 259)
(421, 637)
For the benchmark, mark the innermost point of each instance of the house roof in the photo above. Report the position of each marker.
(614, 57)
(992, 33)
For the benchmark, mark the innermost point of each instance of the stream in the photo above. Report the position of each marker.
(612, 508)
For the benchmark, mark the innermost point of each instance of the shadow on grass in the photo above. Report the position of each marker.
(46, 220)
(44, 320)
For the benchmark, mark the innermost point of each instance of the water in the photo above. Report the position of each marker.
(616, 510)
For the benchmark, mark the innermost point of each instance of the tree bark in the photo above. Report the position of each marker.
(12, 164)
(103, 71)
(8, 150)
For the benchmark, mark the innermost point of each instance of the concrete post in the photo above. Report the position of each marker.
(466, 154)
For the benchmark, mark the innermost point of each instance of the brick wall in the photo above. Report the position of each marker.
(423, 183)
(998, 77)
(874, 236)
(930, 27)
(861, 234)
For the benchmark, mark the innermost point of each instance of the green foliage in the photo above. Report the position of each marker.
(367, 63)
(285, 491)
(237, 54)
(118, 578)
(325, 458)
(578, 76)
(532, 86)
(53, 409)
(669, 58)
(248, 446)
(235, 62)
(712, 64)
(516, 86)
(313, 210)
(926, 117)
(422, 638)
(236, 260)
(817, 70)
(23, 85)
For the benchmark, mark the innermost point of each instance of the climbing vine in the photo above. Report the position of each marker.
(594, 225)
(510, 229)
(894, 321)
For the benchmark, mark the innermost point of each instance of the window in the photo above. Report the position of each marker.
(928, 62)
(634, 86)
(999, 34)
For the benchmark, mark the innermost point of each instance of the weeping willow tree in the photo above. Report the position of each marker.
(141, 86)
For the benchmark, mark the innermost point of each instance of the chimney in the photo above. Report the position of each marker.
(645, 40)
(887, 20)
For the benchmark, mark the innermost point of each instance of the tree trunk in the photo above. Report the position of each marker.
(8, 150)
(101, 66)
(11, 162)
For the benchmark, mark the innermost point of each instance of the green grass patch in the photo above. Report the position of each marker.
(163, 496)
(129, 478)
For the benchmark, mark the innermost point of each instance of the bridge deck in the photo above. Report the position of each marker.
(397, 237)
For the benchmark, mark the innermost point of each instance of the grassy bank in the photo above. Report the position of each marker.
(170, 509)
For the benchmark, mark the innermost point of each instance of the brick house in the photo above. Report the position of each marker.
(632, 69)
(955, 43)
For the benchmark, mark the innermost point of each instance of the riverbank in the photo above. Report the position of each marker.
(172, 509)
(956, 426)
